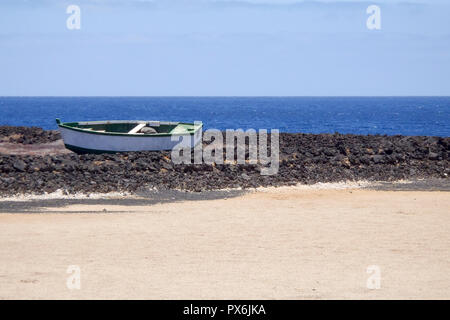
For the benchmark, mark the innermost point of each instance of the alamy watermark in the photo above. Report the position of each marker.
(74, 20)
(241, 148)
(374, 20)
(374, 280)
(73, 281)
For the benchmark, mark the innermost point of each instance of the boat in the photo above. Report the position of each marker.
(128, 135)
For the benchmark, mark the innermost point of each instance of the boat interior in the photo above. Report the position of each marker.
(133, 127)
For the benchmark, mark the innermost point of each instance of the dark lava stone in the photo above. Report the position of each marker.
(306, 158)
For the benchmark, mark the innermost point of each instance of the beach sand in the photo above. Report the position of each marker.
(275, 243)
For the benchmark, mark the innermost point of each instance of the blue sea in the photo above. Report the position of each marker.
(359, 115)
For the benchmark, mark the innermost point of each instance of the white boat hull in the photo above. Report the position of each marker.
(91, 142)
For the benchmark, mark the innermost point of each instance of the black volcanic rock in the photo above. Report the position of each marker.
(19, 165)
(304, 158)
(27, 135)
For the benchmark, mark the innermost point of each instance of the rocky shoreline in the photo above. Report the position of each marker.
(27, 135)
(304, 158)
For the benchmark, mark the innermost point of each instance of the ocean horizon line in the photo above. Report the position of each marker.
(237, 96)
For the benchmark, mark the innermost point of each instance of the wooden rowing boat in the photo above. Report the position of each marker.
(125, 135)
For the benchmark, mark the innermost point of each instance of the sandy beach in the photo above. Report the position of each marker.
(276, 243)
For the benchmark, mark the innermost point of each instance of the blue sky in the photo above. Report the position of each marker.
(226, 48)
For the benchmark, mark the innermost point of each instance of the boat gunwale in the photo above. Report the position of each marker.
(196, 128)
